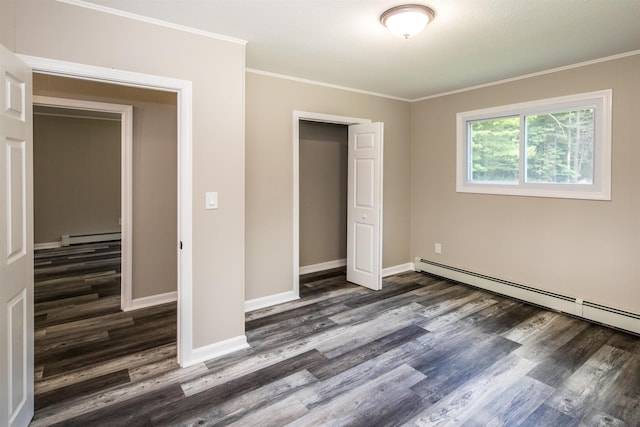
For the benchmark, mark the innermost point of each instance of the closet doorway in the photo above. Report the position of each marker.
(323, 196)
(364, 199)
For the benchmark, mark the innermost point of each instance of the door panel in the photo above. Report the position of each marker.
(364, 171)
(16, 198)
(16, 242)
(364, 205)
(17, 325)
(364, 240)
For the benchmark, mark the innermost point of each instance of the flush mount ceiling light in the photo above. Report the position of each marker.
(407, 20)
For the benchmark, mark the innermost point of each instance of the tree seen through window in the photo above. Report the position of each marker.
(558, 148)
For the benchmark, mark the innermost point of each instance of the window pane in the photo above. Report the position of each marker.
(494, 153)
(559, 147)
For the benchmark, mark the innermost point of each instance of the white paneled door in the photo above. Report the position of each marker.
(16, 242)
(364, 205)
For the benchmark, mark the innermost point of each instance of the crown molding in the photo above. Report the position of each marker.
(329, 85)
(530, 75)
(153, 21)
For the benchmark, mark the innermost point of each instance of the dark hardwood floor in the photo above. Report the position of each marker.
(422, 352)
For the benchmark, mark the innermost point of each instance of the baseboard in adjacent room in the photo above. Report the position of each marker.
(48, 245)
(149, 301)
(268, 301)
(389, 271)
(90, 238)
(588, 310)
(322, 266)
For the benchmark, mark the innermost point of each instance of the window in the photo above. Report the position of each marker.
(559, 147)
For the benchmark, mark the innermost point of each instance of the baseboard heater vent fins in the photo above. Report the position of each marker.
(90, 238)
(611, 310)
(617, 318)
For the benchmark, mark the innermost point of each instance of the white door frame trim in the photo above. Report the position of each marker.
(184, 91)
(312, 117)
(126, 178)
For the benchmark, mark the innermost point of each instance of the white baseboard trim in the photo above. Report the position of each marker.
(268, 301)
(149, 301)
(323, 266)
(397, 269)
(48, 245)
(588, 310)
(218, 349)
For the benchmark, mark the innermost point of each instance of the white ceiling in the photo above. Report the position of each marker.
(470, 42)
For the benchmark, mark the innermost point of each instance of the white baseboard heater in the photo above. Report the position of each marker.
(90, 238)
(575, 306)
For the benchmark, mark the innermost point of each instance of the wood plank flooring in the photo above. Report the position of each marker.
(424, 351)
(84, 343)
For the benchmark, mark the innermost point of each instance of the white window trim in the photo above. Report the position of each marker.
(601, 187)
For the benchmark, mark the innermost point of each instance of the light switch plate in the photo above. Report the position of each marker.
(211, 200)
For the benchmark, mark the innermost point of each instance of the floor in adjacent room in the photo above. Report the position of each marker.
(423, 351)
(84, 343)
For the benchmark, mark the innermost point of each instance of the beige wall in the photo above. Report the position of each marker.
(155, 170)
(56, 30)
(584, 249)
(323, 192)
(269, 165)
(7, 23)
(76, 176)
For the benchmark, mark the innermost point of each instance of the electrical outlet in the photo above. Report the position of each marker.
(438, 248)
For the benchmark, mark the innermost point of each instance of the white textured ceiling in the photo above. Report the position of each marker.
(470, 42)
